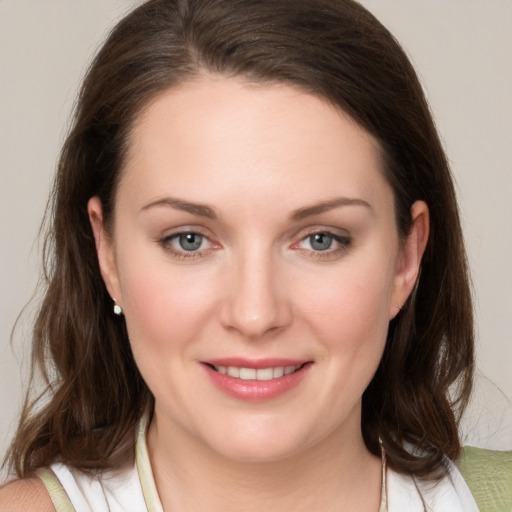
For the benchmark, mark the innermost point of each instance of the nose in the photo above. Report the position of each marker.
(256, 299)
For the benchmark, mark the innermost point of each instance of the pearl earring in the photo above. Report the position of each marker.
(118, 310)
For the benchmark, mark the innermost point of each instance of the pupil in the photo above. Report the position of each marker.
(190, 241)
(321, 242)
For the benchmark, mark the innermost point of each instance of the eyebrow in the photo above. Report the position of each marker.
(324, 206)
(200, 209)
(204, 210)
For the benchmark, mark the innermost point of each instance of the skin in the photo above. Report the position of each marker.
(23, 495)
(259, 157)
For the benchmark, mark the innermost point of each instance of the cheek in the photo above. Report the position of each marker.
(165, 309)
(351, 304)
(162, 303)
(349, 316)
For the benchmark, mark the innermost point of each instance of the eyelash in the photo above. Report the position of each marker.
(343, 243)
(183, 254)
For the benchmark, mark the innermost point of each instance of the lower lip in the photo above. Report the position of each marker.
(256, 390)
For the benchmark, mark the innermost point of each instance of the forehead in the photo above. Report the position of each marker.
(220, 135)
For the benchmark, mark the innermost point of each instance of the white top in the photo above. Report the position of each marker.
(134, 489)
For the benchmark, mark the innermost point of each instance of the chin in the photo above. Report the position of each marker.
(254, 444)
(256, 453)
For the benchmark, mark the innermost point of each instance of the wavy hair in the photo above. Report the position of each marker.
(334, 49)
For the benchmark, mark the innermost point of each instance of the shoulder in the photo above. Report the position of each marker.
(25, 496)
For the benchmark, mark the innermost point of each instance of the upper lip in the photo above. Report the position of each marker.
(268, 362)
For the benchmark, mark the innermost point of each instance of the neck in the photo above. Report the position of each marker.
(335, 474)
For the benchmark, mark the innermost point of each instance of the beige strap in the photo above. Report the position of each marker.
(57, 493)
(384, 488)
(147, 481)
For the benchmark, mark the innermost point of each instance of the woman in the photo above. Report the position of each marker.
(258, 272)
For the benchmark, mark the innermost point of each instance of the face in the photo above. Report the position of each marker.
(255, 255)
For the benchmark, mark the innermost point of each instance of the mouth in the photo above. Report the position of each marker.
(261, 374)
(256, 380)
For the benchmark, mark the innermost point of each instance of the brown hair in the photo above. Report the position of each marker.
(334, 49)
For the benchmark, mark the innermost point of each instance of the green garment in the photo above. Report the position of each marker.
(488, 474)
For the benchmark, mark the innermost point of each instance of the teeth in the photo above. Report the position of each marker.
(234, 372)
(265, 374)
(247, 373)
(257, 374)
(278, 372)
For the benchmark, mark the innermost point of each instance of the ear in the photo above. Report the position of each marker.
(411, 253)
(104, 249)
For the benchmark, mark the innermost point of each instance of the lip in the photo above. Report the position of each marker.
(255, 363)
(256, 390)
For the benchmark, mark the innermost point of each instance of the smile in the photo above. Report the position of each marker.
(256, 380)
(264, 374)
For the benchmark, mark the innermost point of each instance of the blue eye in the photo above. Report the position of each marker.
(324, 244)
(321, 241)
(188, 245)
(189, 241)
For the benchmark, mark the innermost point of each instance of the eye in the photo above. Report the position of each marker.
(320, 241)
(187, 244)
(323, 244)
(188, 241)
